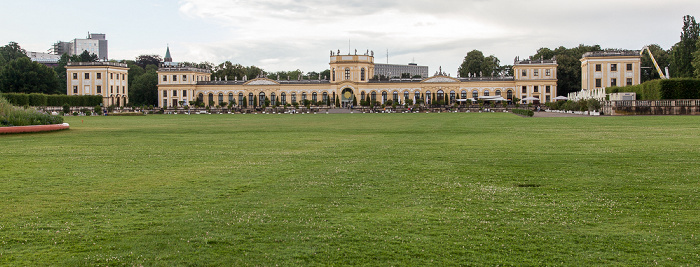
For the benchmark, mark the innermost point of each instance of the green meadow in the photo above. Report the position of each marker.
(353, 189)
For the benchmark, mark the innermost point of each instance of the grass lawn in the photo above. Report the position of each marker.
(353, 189)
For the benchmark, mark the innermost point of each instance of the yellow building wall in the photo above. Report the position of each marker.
(112, 84)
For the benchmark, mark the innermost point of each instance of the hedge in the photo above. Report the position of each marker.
(41, 100)
(677, 88)
(15, 116)
(524, 112)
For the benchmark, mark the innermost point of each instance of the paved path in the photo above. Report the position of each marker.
(543, 114)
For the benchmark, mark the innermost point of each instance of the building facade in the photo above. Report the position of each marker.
(107, 79)
(603, 69)
(396, 71)
(350, 81)
(95, 43)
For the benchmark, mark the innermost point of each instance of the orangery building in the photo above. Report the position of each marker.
(350, 82)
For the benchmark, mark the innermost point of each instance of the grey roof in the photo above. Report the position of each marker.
(620, 53)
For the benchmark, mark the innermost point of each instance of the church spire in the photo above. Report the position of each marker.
(168, 58)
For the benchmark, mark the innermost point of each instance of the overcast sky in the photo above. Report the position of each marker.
(299, 34)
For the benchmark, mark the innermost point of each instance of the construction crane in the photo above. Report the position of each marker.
(641, 53)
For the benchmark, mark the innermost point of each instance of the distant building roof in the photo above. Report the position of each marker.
(620, 53)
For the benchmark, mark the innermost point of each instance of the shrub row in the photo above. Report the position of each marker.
(524, 112)
(581, 105)
(42, 100)
(678, 88)
(14, 116)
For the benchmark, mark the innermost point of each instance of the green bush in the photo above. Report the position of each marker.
(524, 112)
(13, 116)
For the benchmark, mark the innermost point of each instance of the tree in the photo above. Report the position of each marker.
(696, 61)
(476, 64)
(145, 60)
(134, 70)
(10, 52)
(649, 71)
(60, 70)
(569, 65)
(85, 56)
(21, 75)
(144, 90)
(682, 52)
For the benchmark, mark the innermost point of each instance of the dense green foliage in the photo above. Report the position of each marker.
(569, 65)
(353, 189)
(40, 100)
(15, 116)
(476, 64)
(524, 112)
(677, 88)
(682, 52)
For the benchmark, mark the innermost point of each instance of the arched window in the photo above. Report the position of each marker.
(230, 99)
(362, 96)
(498, 92)
(200, 98)
(362, 74)
(374, 96)
(416, 96)
(405, 96)
(509, 94)
(221, 98)
(347, 73)
(273, 99)
(427, 97)
(452, 96)
(440, 95)
(486, 92)
(396, 97)
(294, 98)
(240, 99)
(303, 96)
(384, 97)
(314, 97)
(325, 98)
(261, 99)
(211, 98)
(475, 94)
(251, 101)
(283, 98)
(464, 94)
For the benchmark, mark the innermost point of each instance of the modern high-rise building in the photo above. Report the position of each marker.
(95, 43)
(397, 71)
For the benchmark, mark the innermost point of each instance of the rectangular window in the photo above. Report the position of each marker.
(123, 89)
(613, 67)
(629, 66)
(99, 89)
(75, 76)
(174, 92)
(524, 72)
(99, 76)
(111, 76)
(174, 78)
(75, 89)
(597, 67)
(184, 78)
(184, 93)
(598, 83)
(165, 103)
(111, 89)
(165, 93)
(87, 75)
(613, 82)
(123, 77)
(524, 89)
(535, 89)
(629, 81)
(537, 73)
(547, 89)
(165, 78)
(548, 72)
